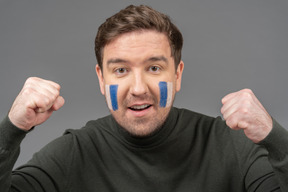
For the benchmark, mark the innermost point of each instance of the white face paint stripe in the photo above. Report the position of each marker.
(111, 96)
(169, 94)
(108, 97)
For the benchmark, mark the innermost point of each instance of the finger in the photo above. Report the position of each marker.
(43, 84)
(41, 103)
(52, 84)
(228, 97)
(229, 106)
(232, 123)
(242, 99)
(242, 106)
(237, 121)
(39, 99)
(58, 103)
(247, 92)
(229, 111)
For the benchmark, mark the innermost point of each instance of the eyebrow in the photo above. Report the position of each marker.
(116, 60)
(151, 59)
(157, 58)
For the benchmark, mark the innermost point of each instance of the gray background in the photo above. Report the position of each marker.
(228, 45)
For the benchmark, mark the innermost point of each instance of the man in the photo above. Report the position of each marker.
(146, 144)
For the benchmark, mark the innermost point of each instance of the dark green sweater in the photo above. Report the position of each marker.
(191, 152)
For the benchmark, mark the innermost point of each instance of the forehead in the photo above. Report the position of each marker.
(138, 44)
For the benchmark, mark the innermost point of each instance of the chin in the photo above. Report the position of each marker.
(142, 127)
(142, 133)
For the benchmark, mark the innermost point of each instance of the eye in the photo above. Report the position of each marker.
(154, 68)
(120, 71)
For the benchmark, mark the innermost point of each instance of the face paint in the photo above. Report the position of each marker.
(111, 96)
(166, 89)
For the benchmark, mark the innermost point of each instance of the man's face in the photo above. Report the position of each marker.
(134, 64)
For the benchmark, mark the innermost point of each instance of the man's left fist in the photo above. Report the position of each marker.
(242, 110)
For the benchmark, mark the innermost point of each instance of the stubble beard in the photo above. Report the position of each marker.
(141, 127)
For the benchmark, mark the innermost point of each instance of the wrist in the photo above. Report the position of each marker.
(10, 135)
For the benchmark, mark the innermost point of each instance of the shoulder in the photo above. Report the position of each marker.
(93, 133)
(208, 127)
(93, 126)
(213, 133)
(198, 120)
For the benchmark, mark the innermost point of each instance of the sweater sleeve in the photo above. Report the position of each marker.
(48, 170)
(276, 144)
(10, 139)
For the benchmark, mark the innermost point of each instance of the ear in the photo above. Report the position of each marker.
(100, 78)
(179, 75)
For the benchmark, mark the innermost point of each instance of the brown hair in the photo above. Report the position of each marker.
(137, 18)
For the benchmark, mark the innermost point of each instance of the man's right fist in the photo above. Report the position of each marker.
(35, 103)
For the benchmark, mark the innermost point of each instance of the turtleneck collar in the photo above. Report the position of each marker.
(152, 140)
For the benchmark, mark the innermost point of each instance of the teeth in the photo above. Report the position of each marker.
(139, 107)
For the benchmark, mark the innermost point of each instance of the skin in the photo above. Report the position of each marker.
(35, 103)
(137, 62)
(242, 110)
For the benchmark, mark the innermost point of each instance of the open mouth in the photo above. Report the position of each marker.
(139, 107)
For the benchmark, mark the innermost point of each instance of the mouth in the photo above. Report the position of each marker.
(139, 107)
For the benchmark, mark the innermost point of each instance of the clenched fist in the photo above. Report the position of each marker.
(35, 103)
(242, 110)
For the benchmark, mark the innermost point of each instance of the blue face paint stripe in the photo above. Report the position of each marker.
(163, 93)
(113, 96)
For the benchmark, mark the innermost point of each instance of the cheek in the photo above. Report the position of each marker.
(166, 93)
(111, 96)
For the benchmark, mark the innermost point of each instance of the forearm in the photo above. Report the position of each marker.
(276, 143)
(10, 139)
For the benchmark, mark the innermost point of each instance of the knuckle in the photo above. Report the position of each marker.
(27, 91)
(244, 107)
(31, 79)
(247, 90)
(246, 95)
(244, 111)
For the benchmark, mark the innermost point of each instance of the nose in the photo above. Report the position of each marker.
(138, 85)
